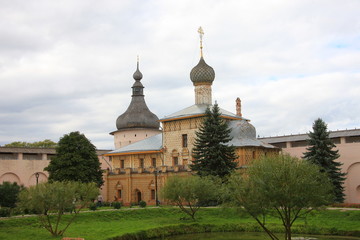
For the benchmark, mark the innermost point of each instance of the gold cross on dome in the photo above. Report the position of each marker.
(201, 32)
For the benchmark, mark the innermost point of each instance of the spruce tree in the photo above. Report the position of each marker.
(75, 160)
(320, 152)
(213, 157)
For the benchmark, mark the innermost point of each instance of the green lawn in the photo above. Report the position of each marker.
(101, 225)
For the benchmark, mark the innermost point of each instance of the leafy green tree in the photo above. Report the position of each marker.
(211, 153)
(188, 192)
(283, 186)
(9, 193)
(40, 144)
(321, 152)
(52, 200)
(75, 160)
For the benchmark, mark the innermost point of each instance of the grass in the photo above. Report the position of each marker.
(101, 225)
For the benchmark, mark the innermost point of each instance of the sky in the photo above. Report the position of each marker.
(67, 65)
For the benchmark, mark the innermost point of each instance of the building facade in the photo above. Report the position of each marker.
(348, 144)
(140, 169)
(25, 166)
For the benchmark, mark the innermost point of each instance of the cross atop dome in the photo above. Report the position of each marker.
(202, 76)
(201, 33)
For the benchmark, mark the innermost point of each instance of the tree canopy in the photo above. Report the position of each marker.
(47, 143)
(282, 185)
(188, 192)
(321, 152)
(211, 153)
(9, 193)
(75, 160)
(52, 200)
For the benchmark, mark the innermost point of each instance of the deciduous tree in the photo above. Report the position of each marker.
(321, 152)
(211, 153)
(75, 160)
(52, 200)
(188, 192)
(47, 143)
(282, 185)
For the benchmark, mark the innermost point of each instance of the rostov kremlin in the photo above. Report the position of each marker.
(146, 156)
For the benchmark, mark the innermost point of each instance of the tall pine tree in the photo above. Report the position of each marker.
(320, 152)
(211, 153)
(75, 160)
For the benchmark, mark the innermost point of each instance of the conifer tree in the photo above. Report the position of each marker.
(320, 152)
(75, 160)
(213, 157)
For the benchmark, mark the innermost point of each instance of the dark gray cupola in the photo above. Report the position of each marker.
(137, 114)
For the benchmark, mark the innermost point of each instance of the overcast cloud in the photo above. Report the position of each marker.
(67, 65)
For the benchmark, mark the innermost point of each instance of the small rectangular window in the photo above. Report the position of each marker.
(184, 140)
(122, 163)
(152, 194)
(119, 194)
(153, 162)
(175, 161)
(141, 163)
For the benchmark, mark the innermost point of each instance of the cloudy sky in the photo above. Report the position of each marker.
(67, 65)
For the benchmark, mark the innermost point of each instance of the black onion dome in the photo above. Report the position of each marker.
(137, 114)
(137, 74)
(202, 73)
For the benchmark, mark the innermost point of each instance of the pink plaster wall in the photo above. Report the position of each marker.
(350, 157)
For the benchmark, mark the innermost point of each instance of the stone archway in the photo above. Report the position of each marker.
(33, 179)
(10, 177)
(352, 183)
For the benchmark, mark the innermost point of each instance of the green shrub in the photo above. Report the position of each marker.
(133, 204)
(9, 194)
(106, 204)
(5, 212)
(93, 206)
(142, 204)
(117, 205)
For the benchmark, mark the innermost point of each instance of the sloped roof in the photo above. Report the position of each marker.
(195, 110)
(148, 145)
(303, 137)
(245, 142)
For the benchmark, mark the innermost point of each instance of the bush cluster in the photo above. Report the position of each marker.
(93, 206)
(5, 212)
(142, 204)
(117, 205)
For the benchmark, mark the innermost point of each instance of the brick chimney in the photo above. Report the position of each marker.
(238, 107)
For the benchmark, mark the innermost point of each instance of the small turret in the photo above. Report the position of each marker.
(137, 114)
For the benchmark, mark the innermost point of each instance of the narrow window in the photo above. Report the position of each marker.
(152, 194)
(119, 194)
(184, 140)
(175, 161)
(141, 163)
(122, 163)
(153, 162)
